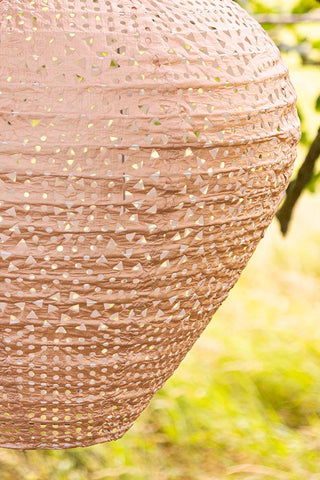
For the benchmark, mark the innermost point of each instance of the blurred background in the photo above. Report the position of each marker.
(245, 402)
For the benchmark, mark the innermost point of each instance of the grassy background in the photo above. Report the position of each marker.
(245, 402)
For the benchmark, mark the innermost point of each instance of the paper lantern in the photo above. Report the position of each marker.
(145, 147)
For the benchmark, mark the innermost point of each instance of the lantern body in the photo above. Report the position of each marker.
(145, 147)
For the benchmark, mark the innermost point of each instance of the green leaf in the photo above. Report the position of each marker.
(304, 6)
(300, 113)
(304, 138)
(311, 187)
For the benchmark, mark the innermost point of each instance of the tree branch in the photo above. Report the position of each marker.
(288, 18)
(297, 185)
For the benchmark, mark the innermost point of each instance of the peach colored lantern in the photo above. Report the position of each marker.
(145, 147)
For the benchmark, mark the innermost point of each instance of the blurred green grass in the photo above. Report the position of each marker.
(245, 402)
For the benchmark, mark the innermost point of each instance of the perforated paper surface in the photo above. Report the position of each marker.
(144, 149)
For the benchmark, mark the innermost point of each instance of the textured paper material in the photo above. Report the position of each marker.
(145, 147)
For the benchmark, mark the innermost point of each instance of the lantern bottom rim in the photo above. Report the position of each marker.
(89, 442)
